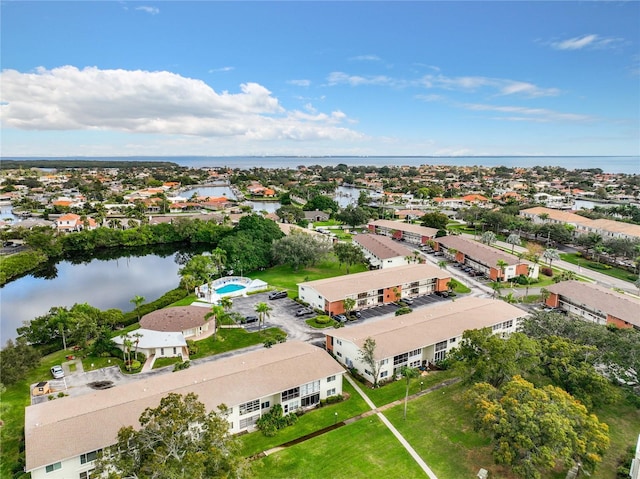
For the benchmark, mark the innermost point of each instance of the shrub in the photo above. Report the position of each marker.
(403, 310)
(323, 319)
(164, 300)
(271, 422)
(546, 271)
(181, 365)
(193, 346)
(522, 279)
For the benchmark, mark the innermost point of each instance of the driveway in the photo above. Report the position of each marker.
(282, 315)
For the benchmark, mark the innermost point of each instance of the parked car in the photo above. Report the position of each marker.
(340, 318)
(249, 319)
(407, 301)
(304, 311)
(355, 314)
(442, 294)
(278, 295)
(57, 372)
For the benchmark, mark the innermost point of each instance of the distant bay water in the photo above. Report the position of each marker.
(609, 164)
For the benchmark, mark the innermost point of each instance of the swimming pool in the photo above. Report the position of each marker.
(229, 288)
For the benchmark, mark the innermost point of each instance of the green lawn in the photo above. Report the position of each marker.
(315, 324)
(343, 453)
(312, 421)
(284, 276)
(230, 339)
(577, 259)
(395, 390)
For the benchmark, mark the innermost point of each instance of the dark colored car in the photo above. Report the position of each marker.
(355, 314)
(249, 319)
(278, 295)
(442, 294)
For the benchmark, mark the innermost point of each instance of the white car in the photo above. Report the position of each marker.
(57, 372)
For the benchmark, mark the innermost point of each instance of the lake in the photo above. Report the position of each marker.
(101, 283)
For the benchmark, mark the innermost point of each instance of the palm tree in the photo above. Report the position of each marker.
(136, 340)
(488, 237)
(226, 302)
(408, 373)
(126, 352)
(263, 310)
(496, 286)
(502, 264)
(137, 300)
(442, 264)
(188, 282)
(510, 298)
(513, 239)
(113, 223)
(550, 254)
(216, 312)
(544, 294)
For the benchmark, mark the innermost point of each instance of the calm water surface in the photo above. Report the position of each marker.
(101, 283)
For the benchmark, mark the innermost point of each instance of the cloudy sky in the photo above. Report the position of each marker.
(320, 78)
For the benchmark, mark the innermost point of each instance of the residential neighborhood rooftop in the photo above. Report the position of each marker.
(382, 247)
(429, 325)
(409, 227)
(601, 299)
(335, 289)
(478, 251)
(175, 319)
(93, 420)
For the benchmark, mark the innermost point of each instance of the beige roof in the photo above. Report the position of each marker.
(616, 227)
(177, 319)
(429, 326)
(598, 298)
(64, 428)
(408, 227)
(382, 247)
(336, 289)
(558, 215)
(478, 251)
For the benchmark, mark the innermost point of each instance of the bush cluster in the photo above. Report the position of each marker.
(546, 271)
(271, 422)
(165, 300)
(403, 310)
(330, 400)
(323, 319)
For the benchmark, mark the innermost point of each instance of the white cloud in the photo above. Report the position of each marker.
(366, 58)
(591, 41)
(430, 98)
(529, 114)
(501, 86)
(161, 102)
(149, 10)
(221, 69)
(299, 82)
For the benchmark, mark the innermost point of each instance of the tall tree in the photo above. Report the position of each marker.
(264, 311)
(177, 439)
(550, 254)
(536, 429)
(348, 254)
(368, 356)
(488, 237)
(514, 240)
(137, 300)
(353, 216)
(434, 220)
(349, 304)
(409, 374)
(300, 250)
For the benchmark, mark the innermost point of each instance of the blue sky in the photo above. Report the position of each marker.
(320, 78)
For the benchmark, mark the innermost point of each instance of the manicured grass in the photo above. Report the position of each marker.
(315, 324)
(343, 453)
(394, 390)
(439, 428)
(327, 223)
(164, 362)
(285, 277)
(230, 339)
(614, 272)
(186, 301)
(458, 287)
(310, 422)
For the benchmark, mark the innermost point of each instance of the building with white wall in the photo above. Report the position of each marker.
(62, 437)
(409, 232)
(373, 288)
(421, 337)
(382, 251)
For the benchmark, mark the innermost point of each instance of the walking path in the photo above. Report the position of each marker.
(377, 411)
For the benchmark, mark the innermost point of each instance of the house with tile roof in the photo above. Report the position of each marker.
(485, 259)
(294, 374)
(595, 303)
(73, 222)
(411, 233)
(382, 251)
(373, 288)
(422, 337)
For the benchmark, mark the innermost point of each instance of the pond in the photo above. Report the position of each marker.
(103, 283)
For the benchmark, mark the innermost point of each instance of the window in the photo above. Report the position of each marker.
(290, 407)
(452, 340)
(338, 353)
(310, 388)
(290, 394)
(416, 352)
(265, 405)
(495, 327)
(339, 342)
(86, 474)
(89, 457)
(53, 467)
(250, 406)
(507, 324)
(415, 364)
(367, 372)
(384, 374)
(331, 392)
(384, 361)
(249, 421)
(331, 378)
(400, 359)
(310, 400)
(442, 345)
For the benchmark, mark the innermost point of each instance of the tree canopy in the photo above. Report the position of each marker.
(322, 203)
(535, 429)
(299, 249)
(435, 220)
(177, 439)
(348, 254)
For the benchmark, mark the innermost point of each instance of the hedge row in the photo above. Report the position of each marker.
(18, 264)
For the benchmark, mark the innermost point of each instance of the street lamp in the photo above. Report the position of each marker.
(335, 420)
(421, 384)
